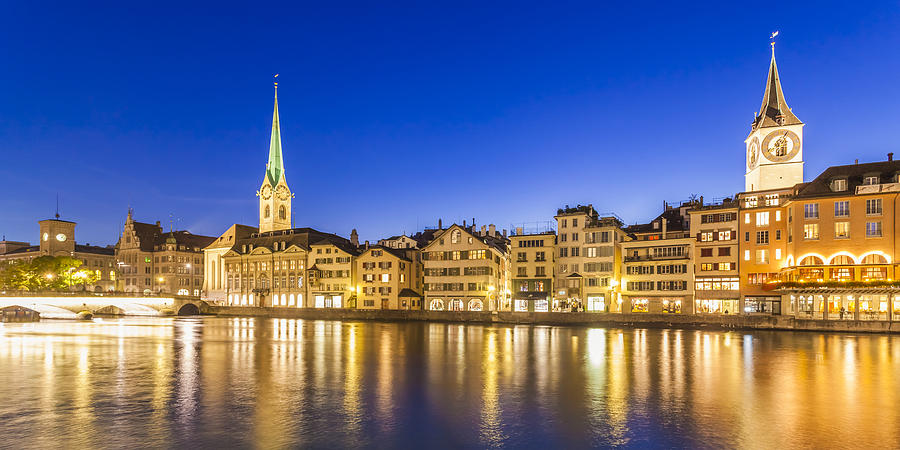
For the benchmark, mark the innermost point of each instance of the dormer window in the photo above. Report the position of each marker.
(839, 185)
(869, 180)
(655, 225)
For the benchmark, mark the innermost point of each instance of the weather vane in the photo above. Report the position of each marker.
(276, 80)
(772, 37)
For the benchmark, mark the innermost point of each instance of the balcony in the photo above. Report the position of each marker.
(877, 188)
(639, 258)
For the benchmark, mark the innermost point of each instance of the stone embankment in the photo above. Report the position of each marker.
(752, 322)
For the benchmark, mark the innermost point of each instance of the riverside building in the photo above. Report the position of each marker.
(658, 261)
(716, 275)
(389, 278)
(588, 256)
(531, 274)
(466, 270)
(151, 261)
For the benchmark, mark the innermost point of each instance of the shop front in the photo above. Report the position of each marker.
(846, 304)
(328, 300)
(531, 302)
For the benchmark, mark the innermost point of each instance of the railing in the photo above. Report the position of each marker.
(654, 258)
(877, 188)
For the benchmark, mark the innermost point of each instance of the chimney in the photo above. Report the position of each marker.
(856, 161)
(701, 200)
(367, 245)
(663, 227)
(504, 232)
(484, 230)
(492, 230)
(519, 230)
(890, 156)
(440, 227)
(464, 223)
(157, 223)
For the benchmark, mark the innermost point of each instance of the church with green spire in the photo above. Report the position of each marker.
(274, 194)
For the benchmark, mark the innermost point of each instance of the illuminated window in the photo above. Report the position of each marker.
(778, 216)
(762, 219)
(746, 255)
(841, 230)
(811, 231)
(777, 253)
(762, 256)
(385, 277)
(746, 217)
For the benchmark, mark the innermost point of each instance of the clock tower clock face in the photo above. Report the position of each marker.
(781, 145)
(61, 237)
(266, 192)
(282, 193)
(753, 153)
(46, 236)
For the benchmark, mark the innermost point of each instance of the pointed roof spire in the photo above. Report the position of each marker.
(774, 110)
(275, 166)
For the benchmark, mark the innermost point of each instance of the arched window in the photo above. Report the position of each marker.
(476, 305)
(874, 258)
(436, 305)
(282, 212)
(811, 261)
(268, 212)
(841, 260)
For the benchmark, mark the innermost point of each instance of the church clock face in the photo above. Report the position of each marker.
(781, 145)
(282, 193)
(60, 237)
(753, 153)
(266, 192)
(46, 236)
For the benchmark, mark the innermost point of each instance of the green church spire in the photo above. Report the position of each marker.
(275, 166)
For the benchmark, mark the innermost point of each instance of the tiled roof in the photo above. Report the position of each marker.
(301, 237)
(854, 173)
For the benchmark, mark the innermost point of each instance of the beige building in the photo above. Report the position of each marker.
(716, 257)
(466, 271)
(659, 275)
(332, 274)
(57, 238)
(388, 278)
(842, 245)
(215, 284)
(151, 261)
(531, 273)
(588, 256)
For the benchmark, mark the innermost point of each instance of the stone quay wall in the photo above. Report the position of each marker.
(717, 322)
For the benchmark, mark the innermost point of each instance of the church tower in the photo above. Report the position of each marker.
(775, 144)
(274, 194)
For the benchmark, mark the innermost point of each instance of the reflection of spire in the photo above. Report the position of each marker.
(275, 166)
(774, 110)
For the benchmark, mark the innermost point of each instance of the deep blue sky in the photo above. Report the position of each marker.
(393, 117)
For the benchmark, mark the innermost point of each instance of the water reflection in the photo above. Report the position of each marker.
(276, 383)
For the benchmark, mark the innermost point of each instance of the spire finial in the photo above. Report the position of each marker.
(276, 83)
(772, 43)
(57, 205)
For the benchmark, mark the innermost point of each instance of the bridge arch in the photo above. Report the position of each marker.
(189, 309)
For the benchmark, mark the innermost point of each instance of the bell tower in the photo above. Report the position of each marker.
(274, 194)
(774, 147)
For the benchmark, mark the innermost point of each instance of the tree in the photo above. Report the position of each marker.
(45, 273)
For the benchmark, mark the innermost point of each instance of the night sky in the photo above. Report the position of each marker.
(392, 118)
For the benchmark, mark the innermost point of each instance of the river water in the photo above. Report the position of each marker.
(274, 383)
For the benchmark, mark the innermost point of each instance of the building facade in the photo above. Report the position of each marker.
(466, 271)
(658, 262)
(531, 273)
(716, 258)
(387, 278)
(150, 261)
(588, 260)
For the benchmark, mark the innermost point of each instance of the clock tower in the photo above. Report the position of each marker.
(274, 194)
(775, 144)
